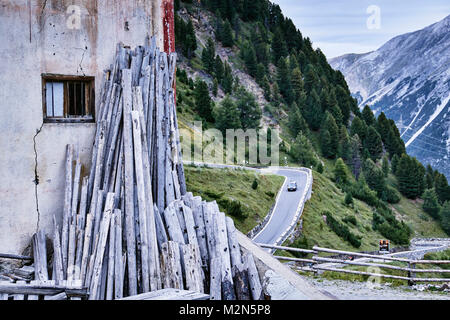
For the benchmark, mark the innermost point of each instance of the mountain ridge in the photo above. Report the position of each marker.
(408, 78)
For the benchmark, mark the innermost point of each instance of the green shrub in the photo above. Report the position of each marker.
(350, 219)
(233, 208)
(342, 231)
(390, 195)
(384, 221)
(360, 190)
(255, 184)
(348, 200)
(301, 243)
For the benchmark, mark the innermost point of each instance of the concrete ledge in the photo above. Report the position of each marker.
(278, 280)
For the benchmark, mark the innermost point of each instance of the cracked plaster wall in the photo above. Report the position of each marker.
(35, 39)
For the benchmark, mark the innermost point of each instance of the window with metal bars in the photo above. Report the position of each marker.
(68, 98)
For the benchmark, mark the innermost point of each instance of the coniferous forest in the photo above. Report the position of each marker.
(320, 121)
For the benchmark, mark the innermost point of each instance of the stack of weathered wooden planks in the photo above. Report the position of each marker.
(130, 226)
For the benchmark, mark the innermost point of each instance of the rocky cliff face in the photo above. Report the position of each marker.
(408, 79)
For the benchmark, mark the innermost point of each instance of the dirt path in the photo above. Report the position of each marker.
(348, 290)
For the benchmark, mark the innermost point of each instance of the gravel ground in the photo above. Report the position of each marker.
(348, 290)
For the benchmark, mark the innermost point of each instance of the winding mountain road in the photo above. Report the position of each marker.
(287, 207)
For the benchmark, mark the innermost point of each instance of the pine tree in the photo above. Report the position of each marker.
(355, 160)
(191, 40)
(431, 203)
(296, 122)
(385, 166)
(297, 83)
(279, 49)
(394, 163)
(284, 81)
(374, 177)
(373, 143)
(442, 188)
(249, 57)
(208, 54)
(359, 127)
(215, 87)
(227, 81)
(445, 217)
(250, 112)
(313, 116)
(329, 137)
(226, 115)
(203, 101)
(383, 126)
(218, 68)
(410, 176)
(260, 73)
(227, 35)
(344, 146)
(302, 151)
(368, 116)
(340, 172)
(266, 88)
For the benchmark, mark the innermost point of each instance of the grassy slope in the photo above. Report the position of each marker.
(326, 197)
(236, 185)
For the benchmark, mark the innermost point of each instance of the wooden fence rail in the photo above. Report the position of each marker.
(317, 263)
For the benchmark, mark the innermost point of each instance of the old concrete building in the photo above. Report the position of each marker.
(53, 54)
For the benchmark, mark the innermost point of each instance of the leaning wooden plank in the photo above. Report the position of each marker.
(190, 225)
(172, 276)
(233, 244)
(40, 256)
(253, 277)
(178, 204)
(71, 253)
(161, 234)
(188, 199)
(173, 224)
(192, 269)
(98, 166)
(160, 145)
(197, 212)
(57, 253)
(169, 294)
(211, 230)
(224, 254)
(129, 182)
(81, 228)
(241, 285)
(40, 289)
(155, 280)
(99, 254)
(111, 257)
(192, 234)
(215, 286)
(67, 207)
(86, 247)
(118, 263)
(141, 199)
(73, 219)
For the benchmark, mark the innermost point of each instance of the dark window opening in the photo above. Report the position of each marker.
(68, 98)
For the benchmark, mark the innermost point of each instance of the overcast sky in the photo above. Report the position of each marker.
(354, 26)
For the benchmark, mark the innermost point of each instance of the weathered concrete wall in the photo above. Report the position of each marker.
(44, 36)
